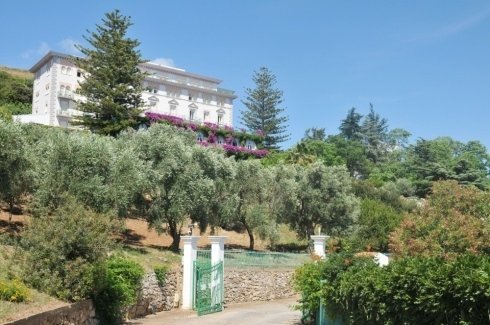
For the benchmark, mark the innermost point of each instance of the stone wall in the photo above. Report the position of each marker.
(80, 313)
(247, 285)
(153, 298)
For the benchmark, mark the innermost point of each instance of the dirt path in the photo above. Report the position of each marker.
(268, 312)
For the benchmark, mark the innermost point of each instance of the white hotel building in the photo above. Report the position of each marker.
(168, 90)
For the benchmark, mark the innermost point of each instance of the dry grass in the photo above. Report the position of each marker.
(18, 73)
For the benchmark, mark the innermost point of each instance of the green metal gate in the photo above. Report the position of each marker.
(208, 287)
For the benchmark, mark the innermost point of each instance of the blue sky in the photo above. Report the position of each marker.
(425, 65)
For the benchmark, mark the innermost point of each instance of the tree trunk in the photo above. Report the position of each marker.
(251, 237)
(175, 237)
(11, 207)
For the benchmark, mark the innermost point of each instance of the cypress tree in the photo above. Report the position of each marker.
(263, 113)
(113, 82)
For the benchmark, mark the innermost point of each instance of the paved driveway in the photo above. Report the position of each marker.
(268, 312)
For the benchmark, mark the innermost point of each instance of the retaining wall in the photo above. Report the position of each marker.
(80, 313)
(247, 285)
(153, 298)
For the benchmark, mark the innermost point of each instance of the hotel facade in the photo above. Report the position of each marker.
(170, 91)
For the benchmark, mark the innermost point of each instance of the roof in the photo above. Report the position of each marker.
(47, 57)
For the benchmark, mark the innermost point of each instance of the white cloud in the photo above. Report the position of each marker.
(42, 49)
(164, 61)
(68, 46)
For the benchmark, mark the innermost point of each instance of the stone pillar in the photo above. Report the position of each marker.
(190, 255)
(319, 244)
(217, 249)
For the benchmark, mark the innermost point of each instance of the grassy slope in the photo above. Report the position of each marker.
(37, 303)
(17, 73)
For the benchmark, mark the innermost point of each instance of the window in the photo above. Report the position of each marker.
(63, 70)
(205, 116)
(64, 104)
(68, 71)
(221, 140)
(79, 73)
(200, 137)
(206, 99)
(220, 119)
(62, 90)
(191, 115)
(173, 108)
(46, 87)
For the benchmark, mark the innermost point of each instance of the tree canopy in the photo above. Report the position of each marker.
(263, 111)
(113, 82)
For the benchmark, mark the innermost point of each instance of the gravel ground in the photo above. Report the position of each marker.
(269, 312)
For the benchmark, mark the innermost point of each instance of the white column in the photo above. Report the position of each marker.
(217, 249)
(319, 244)
(217, 255)
(190, 255)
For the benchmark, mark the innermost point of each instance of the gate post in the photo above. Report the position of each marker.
(217, 256)
(319, 244)
(217, 249)
(190, 255)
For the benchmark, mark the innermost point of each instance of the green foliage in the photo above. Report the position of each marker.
(309, 151)
(350, 127)
(455, 220)
(408, 291)
(322, 198)
(263, 112)
(59, 250)
(15, 94)
(250, 188)
(179, 185)
(117, 281)
(113, 82)
(5, 114)
(15, 164)
(374, 135)
(353, 153)
(161, 273)
(79, 165)
(13, 291)
(376, 221)
(446, 159)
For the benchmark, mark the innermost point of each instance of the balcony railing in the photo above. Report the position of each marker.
(66, 94)
(68, 112)
(225, 91)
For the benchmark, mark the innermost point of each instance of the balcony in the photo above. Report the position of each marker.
(225, 91)
(68, 112)
(66, 94)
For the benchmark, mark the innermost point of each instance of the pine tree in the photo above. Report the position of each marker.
(113, 82)
(374, 130)
(350, 127)
(263, 112)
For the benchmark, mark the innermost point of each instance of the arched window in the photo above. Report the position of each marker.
(63, 70)
(68, 71)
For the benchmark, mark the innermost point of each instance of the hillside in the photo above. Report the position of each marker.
(17, 73)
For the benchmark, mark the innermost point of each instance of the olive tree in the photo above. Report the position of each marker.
(15, 165)
(322, 199)
(177, 184)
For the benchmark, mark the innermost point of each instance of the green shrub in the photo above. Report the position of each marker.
(161, 273)
(116, 286)
(376, 221)
(408, 291)
(13, 291)
(59, 251)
